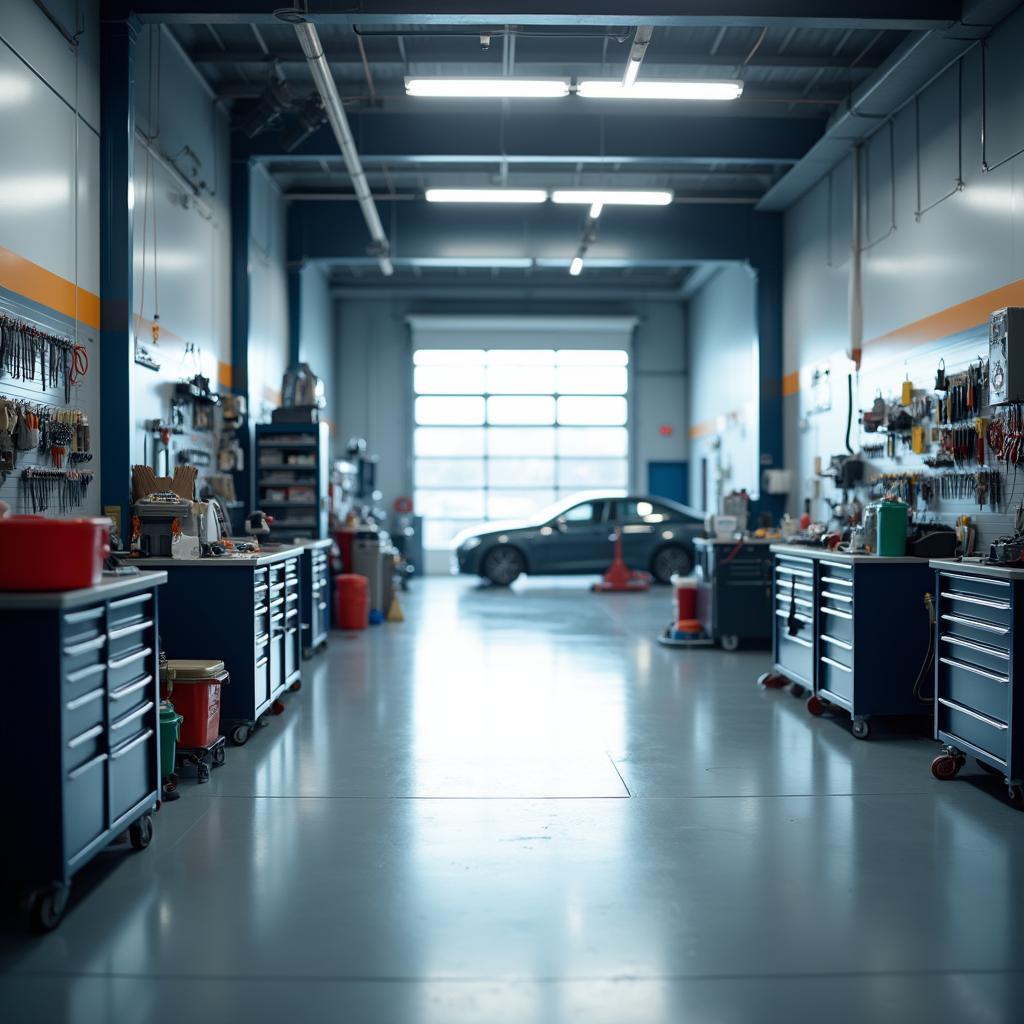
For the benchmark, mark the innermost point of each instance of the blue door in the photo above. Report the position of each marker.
(669, 480)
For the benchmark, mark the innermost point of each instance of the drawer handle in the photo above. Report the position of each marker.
(837, 597)
(84, 616)
(974, 579)
(130, 745)
(86, 698)
(122, 691)
(835, 664)
(129, 658)
(259, 609)
(786, 571)
(837, 582)
(292, 612)
(796, 600)
(262, 662)
(836, 642)
(260, 589)
(956, 595)
(83, 768)
(279, 617)
(137, 627)
(322, 606)
(797, 616)
(292, 598)
(87, 645)
(993, 652)
(836, 565)
(953, 663)
(85, 737)
(837, 613)
(131, 716)
(124, 602)
(798, 640)
(965, 620)
(1001, 726)
(84, 673)
(277, 603)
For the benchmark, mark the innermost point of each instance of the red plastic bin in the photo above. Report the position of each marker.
(351, 601)
(196, 695)
(37, 553)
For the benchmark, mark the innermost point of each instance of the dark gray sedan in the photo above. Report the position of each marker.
(575, 537)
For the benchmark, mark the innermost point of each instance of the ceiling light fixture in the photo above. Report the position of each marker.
(595, 209)
(486, 195)
(470, 262)
(488, 88)
(603, 89)
(576, 267)
(612, 197)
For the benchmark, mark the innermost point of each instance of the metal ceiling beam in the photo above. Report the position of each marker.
(870, 14)
(522, 139)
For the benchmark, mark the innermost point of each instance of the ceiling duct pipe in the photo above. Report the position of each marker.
(309, 40)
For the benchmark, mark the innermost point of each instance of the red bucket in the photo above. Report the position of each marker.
(37, 553)
(351, 601)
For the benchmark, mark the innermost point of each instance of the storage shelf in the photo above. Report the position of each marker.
(285, 465)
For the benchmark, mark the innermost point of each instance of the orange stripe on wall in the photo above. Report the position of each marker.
(40, 285)
(791, 383)
(702, 429)
(224, 374)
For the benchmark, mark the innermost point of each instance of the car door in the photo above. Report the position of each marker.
(642, 523)
(579, 539)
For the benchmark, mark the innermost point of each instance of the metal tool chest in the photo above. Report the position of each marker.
(734, 591)
(980, 608)
(853, 629)
(243, 611)
(80, 732)
(315, 605)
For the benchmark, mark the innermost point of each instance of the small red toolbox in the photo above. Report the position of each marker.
(195, 686)
(37, 553)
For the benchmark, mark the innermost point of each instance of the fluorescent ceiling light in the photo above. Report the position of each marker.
(488, 88)
(576, 267)
(469, 262)
(486, 195)
(612, 197)
(659, 90)
(632, 69)
(596, 208)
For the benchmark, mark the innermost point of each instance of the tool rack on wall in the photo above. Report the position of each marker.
(58, 475)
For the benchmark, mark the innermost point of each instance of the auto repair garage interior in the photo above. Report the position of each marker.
(510, 511)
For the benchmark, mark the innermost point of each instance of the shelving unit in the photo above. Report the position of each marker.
(291, 478)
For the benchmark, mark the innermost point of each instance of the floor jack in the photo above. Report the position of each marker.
(619, 576)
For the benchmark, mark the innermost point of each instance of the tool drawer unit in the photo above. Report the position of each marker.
(79, 732)
(243, 611)
(865, 627)
(315, 605)
(292, 469)
(734, 591)
(980, 610)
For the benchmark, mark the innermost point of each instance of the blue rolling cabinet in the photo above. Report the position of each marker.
(980, 608)
(292, 476)
(80, 731)
(734, 591)
(244, 611)
(315, 604)
(853, 629)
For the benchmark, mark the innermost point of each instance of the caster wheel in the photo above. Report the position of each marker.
(277, 708)
(945, 767)
(1015, 794)
(296, 686)
(986, 767)
(797, 690)
(219, 756)
(771, 681)
(141, 832)
(239, 735)
(46, 906)
(729, 642)
(815, 706)
(203, 772)
(860, 728)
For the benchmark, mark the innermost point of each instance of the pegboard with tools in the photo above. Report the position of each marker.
(49, 404)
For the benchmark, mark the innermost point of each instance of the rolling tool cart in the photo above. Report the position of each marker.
(853, 629)
(980, 609)
(195, 687)
(82, 729)
(734, 591)
(315, 603)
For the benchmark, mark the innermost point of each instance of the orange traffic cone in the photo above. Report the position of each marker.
(619, 576)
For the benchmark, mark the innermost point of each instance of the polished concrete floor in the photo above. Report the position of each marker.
(517, 807)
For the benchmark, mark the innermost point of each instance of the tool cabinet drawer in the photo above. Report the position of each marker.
(128, 666)
(127, 638)
(981, 655)
(837, 622)
(970, 627)
(996, 590)
(837, 599)
(978, 599)
(81, 680)
(129, 610)
(83, 744)
(130, 696)
(974, 688)
(836, 678)
(259, 577)
(978, 730)
(291, 650)
(78, 654)
(836, 649)
(276, 663)
(132, 773)
(130, 724)
(85, 711)
(82, 624)
(794, 654)
(835, 574)
(84, 804)
(262, 673)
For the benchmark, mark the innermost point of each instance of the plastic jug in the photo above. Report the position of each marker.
(892, 528)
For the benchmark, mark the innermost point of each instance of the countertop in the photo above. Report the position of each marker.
(806, 551)
(323, 542)
(110, 587)
(998, 572)
(717, 541)
(265, 557)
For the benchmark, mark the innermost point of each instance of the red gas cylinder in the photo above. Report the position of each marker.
(686, 598)
(351, 601)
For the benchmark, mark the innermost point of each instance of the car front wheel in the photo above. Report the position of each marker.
(502, 565)
(670, 561)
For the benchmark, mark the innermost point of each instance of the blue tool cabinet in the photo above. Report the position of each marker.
(980, 609)
(315, 605)
(854, 630)
(734, 591)
(243, 611)
(80, 731)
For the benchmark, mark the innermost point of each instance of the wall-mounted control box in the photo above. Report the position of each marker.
(1006, 356)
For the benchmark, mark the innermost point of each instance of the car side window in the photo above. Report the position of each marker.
(647, 512)
(580, 515)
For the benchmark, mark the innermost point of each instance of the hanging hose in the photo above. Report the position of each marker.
(849, 410)
(929, 656)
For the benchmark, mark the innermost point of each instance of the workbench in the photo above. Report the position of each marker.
(79, 731)
(242, 610)
(980, 609)
(734, 590)
(854, 630)
(315, 603)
